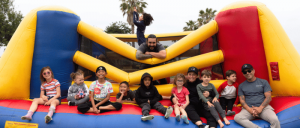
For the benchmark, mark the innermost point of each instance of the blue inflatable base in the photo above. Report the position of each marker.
(288, 118)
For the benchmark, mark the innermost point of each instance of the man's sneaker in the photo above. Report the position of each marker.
(26, 118)
(70, 103)
(47, 119)
(185, 119)
(178, 118)
(147, 117)
(230, 113)
(168, 112)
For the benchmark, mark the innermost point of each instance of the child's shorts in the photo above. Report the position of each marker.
(59, 99)
(180, 104)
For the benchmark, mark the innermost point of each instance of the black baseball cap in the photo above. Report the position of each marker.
(101, 68)
(247, 66)
(193, 69)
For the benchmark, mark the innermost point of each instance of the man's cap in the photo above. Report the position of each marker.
(101, 68)
(247, 66)
(193, 69)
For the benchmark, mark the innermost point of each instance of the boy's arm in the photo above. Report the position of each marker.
(156, 97)
(221, 87)
(93, 102)
(138, 98)
(215, 90)
(120, 97)
(237, 99)
(200, 94)
(105, 99)
(132, 96)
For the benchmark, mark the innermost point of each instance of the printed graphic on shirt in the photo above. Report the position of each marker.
(101, 90)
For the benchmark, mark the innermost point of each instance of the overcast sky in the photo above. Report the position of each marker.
(169, 15)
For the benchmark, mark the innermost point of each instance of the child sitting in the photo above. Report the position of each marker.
(147, 97)
(78, 93)
(182, 95)
(100, 94)
(125, 94)
(141, 23)
(228, 91)
(50, 95)
(211, 103)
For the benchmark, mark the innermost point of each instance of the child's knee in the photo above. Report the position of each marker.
(117, 106)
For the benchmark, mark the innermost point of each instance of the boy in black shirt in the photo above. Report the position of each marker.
(147, 97)
(125, 94)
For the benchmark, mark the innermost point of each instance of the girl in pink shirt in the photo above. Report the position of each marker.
(182, 95)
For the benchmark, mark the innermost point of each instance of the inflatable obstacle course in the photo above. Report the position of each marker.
(247, 32)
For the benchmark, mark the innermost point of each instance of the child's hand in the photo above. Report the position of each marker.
(95, 110)
(210, 104)
(215, 100)
(47, 103)
(45, 98)
(234, 105)
(122, 92)
(206, 93)
(149, 101)
(76, 97)
(183, 106)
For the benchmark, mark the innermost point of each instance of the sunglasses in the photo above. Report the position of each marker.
(245, 72)
(46, 73)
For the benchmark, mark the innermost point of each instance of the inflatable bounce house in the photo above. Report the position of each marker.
(247, 32)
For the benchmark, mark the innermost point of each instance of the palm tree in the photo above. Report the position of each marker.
(190, 26)
(206, 16)
(127, 7)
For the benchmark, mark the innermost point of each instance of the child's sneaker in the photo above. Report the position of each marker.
(147, 117)
(230, 113)
(26, 117)
(185, 119)
(178, 118)
(168, 112)
(70, 103)
(47, 119)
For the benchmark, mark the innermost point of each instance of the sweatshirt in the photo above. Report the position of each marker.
(229, 91)
(143, 94)
(74, 89)
(210, 87)
(140, 28)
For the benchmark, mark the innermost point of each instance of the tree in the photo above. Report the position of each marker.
(118, 28)
(9, 20)
(190, 26)
(127, 7)
(204, 18)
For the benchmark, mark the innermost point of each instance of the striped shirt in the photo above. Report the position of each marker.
(50, 87)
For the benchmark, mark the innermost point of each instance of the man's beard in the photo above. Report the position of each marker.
(151, 47)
